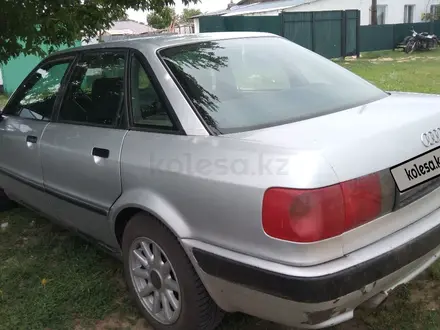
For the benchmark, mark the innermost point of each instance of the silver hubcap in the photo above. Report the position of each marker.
(154, 280)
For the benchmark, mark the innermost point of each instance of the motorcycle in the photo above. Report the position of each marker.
(420, 41)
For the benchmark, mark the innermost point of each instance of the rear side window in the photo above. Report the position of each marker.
(96, 91)
(36, 98)
(250, 83)
(147, 108)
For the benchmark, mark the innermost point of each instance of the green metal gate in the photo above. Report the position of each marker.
(329, 33)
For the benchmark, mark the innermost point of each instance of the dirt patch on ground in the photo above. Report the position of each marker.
(385, 59)
(427, 296)
(382, 59)
(352, 58)
(117, 322)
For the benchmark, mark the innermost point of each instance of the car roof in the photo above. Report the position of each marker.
(154, 43)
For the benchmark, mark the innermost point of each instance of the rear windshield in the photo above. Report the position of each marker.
(243, 84)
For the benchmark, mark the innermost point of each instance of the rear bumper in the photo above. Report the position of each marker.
(310, 302)
(323, 288)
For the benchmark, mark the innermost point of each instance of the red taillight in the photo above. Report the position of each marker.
(362, 199)
(311, 215)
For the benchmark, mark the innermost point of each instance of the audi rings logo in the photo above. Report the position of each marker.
(430, 138)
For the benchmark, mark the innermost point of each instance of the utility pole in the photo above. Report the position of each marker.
(373, 12)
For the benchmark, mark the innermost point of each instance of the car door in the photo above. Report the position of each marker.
(80, 151)
(23, 122)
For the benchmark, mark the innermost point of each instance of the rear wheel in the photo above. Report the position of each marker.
(162, 280)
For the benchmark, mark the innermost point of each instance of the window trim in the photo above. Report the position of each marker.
(406, 13)
(79, 56)
(50, 60)
(377, 14)
(163, 98)
(385, 13)
(434, 10)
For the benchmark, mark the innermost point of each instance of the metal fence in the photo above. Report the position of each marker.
(387, 36)
(332, 34)
(329, 33)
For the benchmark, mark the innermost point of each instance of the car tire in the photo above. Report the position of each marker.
(196, 310)
(5, 203)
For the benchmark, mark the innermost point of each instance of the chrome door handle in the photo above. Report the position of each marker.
(31, 139)
(99, 152)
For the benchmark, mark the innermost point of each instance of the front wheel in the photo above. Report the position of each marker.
(162, 280)
(410, 46)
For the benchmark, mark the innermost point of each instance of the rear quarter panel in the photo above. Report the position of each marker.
(211, 189)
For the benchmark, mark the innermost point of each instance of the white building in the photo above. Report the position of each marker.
(388, 11)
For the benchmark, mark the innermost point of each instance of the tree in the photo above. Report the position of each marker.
(373, 12)
(161, 18)
(188, 13)
(123, 17)
(28, 24)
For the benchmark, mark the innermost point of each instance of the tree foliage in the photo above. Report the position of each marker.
(198, 56)
(428, 17)
(188, 13)
(161, 18)
(25, 25)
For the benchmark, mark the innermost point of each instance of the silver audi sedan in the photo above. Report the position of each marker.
(230, 172)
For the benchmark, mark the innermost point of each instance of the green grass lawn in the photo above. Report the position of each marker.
(50, 279)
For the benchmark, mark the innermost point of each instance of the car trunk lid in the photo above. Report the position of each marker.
(374, 137)
(361, 140)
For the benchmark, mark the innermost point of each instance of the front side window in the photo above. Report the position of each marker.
(248, 83)
(36, 98)
(96, 91)
(147, 109)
